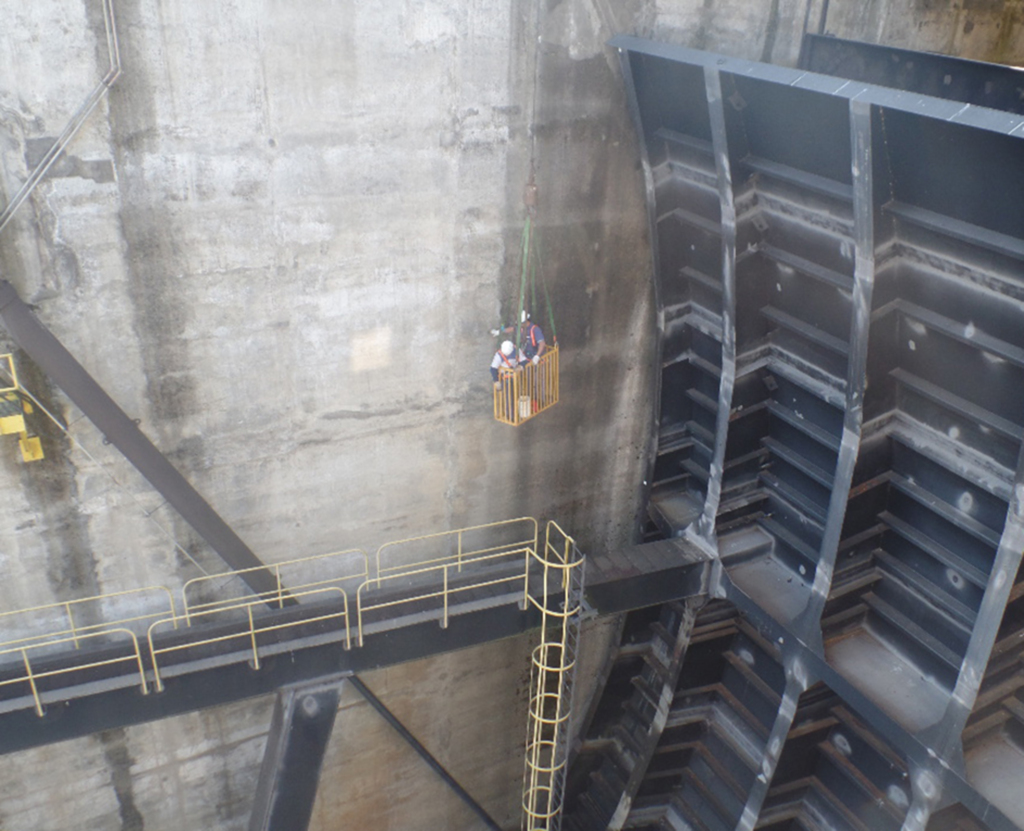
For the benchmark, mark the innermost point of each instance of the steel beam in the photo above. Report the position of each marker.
(954, 112)
(211, 682)
(299, 733)
(424, 754)
(862, 173)
(659, 350)
(705, 527)
(946, 736)
(60, 365)
(942, 76)
(301, 653)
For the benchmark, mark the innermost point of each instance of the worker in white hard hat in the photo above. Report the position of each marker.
(507, 358)
(530, 335)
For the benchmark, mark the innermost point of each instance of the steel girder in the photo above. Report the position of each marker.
(942, 76)
(83, 702)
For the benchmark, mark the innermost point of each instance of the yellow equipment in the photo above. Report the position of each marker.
(528, 390)
(13, 409)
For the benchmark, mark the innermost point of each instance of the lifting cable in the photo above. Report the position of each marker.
(531, 259)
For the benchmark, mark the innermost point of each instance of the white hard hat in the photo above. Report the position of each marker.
(507, 348)
(524, 317)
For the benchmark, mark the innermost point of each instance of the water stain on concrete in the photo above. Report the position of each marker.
(770, 32)
(100, 171)
(119, 761)
(51, 485)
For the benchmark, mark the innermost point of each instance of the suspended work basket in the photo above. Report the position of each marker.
(527, 389)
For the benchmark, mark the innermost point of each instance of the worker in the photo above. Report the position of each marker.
(506, 358)
(531, 336)
(507, 364)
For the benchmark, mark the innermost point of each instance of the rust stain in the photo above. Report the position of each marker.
(1009, 21)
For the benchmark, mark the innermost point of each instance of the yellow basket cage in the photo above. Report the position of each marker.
(528, 390)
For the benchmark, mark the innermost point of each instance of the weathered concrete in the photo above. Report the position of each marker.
(195, 771)
(280, 243)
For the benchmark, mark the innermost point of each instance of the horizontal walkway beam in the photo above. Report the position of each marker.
(208, 682)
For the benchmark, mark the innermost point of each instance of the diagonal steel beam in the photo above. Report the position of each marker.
(424, 754)
(60, 365)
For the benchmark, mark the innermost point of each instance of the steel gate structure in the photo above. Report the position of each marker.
(839, 276)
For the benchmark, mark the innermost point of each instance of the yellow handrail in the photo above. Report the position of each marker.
(479, 545)
(251, 632)
(12, 371)
(76, 630)
(31, 676)
(278, 594)
(446, 591)
(457, 537)
(527, 390)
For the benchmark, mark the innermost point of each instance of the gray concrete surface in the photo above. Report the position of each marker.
(280, 244)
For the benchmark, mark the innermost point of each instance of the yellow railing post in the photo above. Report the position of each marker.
(359, 613)
(170, 603)
(32, 683)
(138, 662)
(526, 577)
(252, 635)
(71, 623)
(444, 624)
(157, 682)
(348, 629)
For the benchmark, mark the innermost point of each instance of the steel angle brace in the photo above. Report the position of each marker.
(424, 754)
(67, 373)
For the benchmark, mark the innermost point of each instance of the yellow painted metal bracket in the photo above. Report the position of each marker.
(13, 409)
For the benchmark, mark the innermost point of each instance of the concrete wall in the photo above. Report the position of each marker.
(280, 243)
